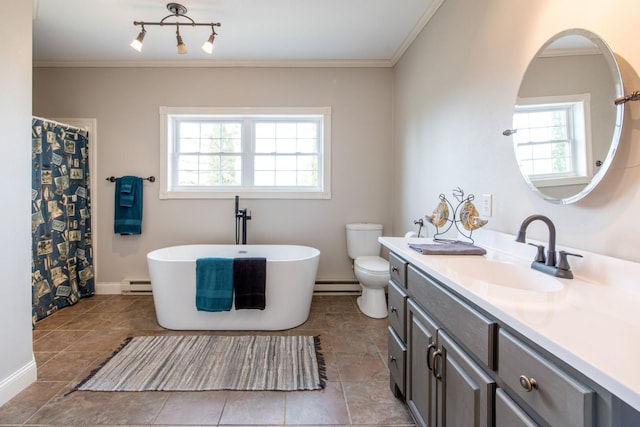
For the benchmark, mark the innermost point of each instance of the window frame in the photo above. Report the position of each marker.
(580, 131)
(168, 117)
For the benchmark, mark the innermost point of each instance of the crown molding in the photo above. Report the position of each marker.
(218, 64)
(415, 32)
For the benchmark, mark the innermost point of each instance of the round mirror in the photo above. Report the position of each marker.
(566, 126)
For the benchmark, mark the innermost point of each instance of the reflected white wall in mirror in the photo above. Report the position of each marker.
(566, 127)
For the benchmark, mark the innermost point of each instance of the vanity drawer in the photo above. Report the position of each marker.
(556, 397)
(397, 360)
(398, 270)
(397, 309)
(470, 327)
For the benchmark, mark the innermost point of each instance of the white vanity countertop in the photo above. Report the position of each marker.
(593, 323)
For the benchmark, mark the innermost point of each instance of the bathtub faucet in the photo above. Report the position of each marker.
(241, 223)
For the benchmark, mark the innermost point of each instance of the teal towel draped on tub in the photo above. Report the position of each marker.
(214, 284)
(128, 205)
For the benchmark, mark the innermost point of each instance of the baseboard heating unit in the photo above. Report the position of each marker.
(143, 287)
(328, 287)
(135, 287)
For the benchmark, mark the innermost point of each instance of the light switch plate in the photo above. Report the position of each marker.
(487, 205)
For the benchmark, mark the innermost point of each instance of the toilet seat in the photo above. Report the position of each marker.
(373, 265)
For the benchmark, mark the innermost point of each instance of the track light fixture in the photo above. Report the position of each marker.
(177, 11)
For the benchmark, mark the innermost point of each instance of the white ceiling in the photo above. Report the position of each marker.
(253, 32)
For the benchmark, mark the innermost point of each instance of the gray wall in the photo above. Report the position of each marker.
(454, 93)
(125, 102)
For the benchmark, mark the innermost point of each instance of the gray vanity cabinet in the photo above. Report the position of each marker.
(397, 300)
(554, 396)
(509, 414)
(464, 391)
(444, 386)
(421, 384)
(456, 365)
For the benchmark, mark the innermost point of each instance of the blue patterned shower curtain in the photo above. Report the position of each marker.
(62, 260)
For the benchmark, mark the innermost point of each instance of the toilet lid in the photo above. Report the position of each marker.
(372, 264)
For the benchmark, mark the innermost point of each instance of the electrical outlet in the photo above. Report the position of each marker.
(486, 206)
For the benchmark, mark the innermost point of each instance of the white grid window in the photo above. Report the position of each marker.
(265, 153)
(544, 140)
(552, 142)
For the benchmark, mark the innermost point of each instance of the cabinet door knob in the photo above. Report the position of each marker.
(528, 383)
(393, 309)
(394, 269)
(392, 359)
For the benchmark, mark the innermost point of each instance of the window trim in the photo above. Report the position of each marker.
(166, 192)
(584, 169)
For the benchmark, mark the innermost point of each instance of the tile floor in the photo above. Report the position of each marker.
(75, 340)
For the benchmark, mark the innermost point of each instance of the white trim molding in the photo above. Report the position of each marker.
(18, 381)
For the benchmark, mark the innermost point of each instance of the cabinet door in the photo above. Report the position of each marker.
(420, 383)
(465, 391)
(509, 414)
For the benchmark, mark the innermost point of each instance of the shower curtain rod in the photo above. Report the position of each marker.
(58, 123)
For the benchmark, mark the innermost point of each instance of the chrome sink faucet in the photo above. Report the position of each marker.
(547, 264)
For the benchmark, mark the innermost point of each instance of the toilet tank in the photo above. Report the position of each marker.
(362, 239)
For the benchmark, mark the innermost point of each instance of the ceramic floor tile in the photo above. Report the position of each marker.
(54, 321)
(77, 339)
(101, 341)
(69, 365)
(43, 356)
(97, 408)
(355, 367)
(91, 321)
(346, 322)
(357, 342)
(254, 407)
(58, 340)
(203, 407)
(19, 409)
(373, 403)
(325, 406)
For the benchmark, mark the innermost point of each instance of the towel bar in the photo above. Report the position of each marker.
(150, 179)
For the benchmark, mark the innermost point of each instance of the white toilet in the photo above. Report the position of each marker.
(371, 270)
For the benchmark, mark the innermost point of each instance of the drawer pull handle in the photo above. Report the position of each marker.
(528, 383)
(392, 359)
(394, 269)
(393, 309)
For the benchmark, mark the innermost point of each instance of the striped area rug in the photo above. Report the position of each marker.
(209, 362)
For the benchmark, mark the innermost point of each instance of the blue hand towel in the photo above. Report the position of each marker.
(214, 284)
(249, 280)
(126, 194)
(128, 206)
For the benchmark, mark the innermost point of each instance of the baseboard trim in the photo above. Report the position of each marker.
(108, 288)
(18, 381)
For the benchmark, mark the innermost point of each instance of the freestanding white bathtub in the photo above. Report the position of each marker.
(290, 278)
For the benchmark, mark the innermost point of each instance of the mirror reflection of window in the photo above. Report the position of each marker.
(553, 141)
(566, 157)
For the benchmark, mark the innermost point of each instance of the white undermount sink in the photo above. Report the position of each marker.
(504, 274)
(505, 283)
